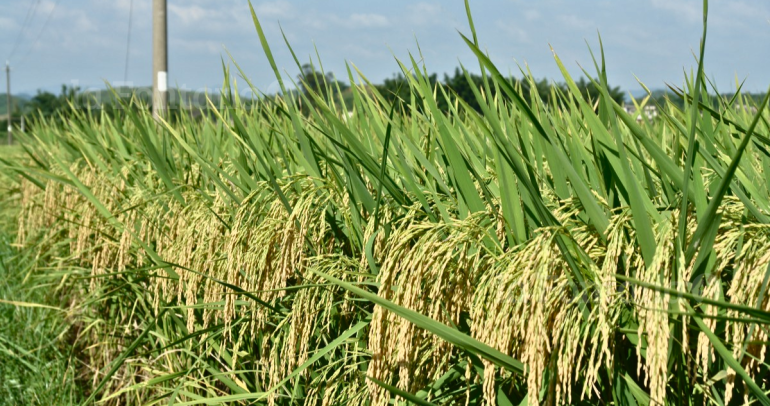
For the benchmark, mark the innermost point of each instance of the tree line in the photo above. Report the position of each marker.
(395, 90)
(457, 86)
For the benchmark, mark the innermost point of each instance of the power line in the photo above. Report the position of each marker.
(128, 39)
(31, 11)
(40, 34)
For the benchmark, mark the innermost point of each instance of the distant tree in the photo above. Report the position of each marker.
(592, 93)
(47, 103)
(543, 89)
(397, 90)
(312, 80)
(323, 85)
(462, 88)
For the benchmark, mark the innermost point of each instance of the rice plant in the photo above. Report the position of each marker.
(536, 252)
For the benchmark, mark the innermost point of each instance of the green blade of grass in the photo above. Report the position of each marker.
(728, 358)
(402, 393)
(690, 153)
(443, 331)
(118, 362)
(711, 212)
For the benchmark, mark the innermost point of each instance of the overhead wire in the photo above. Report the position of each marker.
(128, 40)
(40, 34)
(31, 11)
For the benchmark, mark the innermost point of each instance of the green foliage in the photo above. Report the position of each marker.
(462, 87)
(18, 104)
(49, 104)
(37, 363)
(481, 239)
(319, 83)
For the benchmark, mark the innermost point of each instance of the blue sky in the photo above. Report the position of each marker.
(84, 42)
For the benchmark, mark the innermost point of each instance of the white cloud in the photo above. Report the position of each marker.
(189, 14)
(429, 9)
(357, 52)
(87, 38)
(72, 17)
(575, 22)
(71, 28)
(274, 9)
(735, 14)
(8, 24)
(84, 24)
(531, 15)
(425, 13)
(199, 46)
(208, 21)
(737, 10)
(369, 20)
(689, 10)
(513, 31)
(124, 6)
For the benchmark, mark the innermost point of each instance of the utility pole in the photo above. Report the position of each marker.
(9, 101)
(159, 59)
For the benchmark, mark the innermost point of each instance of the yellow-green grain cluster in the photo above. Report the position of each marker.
(528, 253)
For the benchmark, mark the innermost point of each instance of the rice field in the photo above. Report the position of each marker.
(533, 253)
